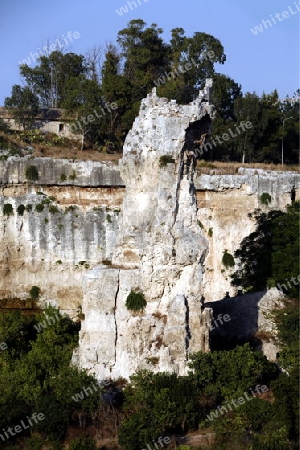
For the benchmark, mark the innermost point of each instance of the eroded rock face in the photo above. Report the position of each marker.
(159, 251)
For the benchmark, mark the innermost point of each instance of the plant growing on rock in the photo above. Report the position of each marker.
(227, 260)
(8, 209)
(34, 292)
(135, 301)
(32, 173)
(265, 198)
(165, 159)
(21, 209)
(39, 207)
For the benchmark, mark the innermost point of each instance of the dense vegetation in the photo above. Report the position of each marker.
(270, 255)
(103, 100)
(246, 401)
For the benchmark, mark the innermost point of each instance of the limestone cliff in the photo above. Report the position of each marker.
(160, 250)
(92, 232)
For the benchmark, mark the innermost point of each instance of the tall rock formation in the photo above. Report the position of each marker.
(160, 250)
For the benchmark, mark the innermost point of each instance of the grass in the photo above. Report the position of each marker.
(231, 168)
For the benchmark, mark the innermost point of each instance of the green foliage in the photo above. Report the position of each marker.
(24, 105)
(286, 390)
(228, 374)
(8, 209)
(34, 292)
(39, 207)
(165, 159)
(32, 173)
(28, 207)
(53, 209)
(271, 251)
(210, 234)
(63, 177)
(251, 426)
(154, 405)
(73, 176)
(83, 443)
(265, 198)
(135, 301)
(227, 260)
(36, 375)
(21, 209)
(287, 321)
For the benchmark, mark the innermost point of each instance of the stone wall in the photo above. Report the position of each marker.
(52, 172)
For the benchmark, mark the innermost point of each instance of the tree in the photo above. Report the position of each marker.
(84, 101)
(116, 89)
(156, 404)
(48, 80)
(145, 56)
(24, 105)
(201, 51)
(270, 252)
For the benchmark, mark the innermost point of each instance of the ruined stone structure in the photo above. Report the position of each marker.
(151, 224)
(48, 120)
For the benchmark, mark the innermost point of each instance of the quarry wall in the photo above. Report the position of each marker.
(90, 233)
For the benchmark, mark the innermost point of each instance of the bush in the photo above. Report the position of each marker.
(63, 177)
(32, 173)
(53, 209)
(20, 210)
(8, 209)
(165, 159)
(28, 207)
(39, 207)
(73, 176)
(265, 198)
(135, 301)
(83, 443)
(227, 260)
(34, 292)
(210, 232)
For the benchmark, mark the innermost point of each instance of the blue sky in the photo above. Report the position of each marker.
(261, 63)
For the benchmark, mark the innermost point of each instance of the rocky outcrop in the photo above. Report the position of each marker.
(151, 224)
(160, 251)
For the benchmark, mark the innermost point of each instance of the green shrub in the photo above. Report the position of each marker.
(265, 198)
(35, 442)
(8, 209)
(73, 176)
(165, 159)
(34, 292)
(227, 260)
(135, 301)
(20, 210)
(53, 209)
(63, 177)
(32, 173)
(46, 201)
(210, 232)
(39, 207)
(28, 207)
(83, 443)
